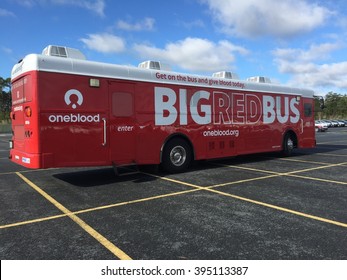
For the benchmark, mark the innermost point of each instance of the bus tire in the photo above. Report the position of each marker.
(288, 144)
(177, 155)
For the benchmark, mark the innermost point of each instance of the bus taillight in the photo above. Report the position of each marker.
(28, 111)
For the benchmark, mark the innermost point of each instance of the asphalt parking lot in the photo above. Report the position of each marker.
(248, 207)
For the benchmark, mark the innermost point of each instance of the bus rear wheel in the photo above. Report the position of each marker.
(177, 155)
(288, 144)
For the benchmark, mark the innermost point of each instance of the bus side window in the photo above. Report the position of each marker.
(122, 104)
(308, 109)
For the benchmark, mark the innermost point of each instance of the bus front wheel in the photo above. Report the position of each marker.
(177, 156)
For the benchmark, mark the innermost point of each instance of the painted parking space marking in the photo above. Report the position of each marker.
(292, 173)
(298, 213)
(299, 160)
(196, 188)
(333, 155)
(103, 207)
(263, 175)
(272, 206)
(332, 142)
(33, 221)
(26, 171)
(243, 181)
(91, 231)
(316, 179)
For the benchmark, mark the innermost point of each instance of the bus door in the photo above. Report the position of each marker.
(122, 123)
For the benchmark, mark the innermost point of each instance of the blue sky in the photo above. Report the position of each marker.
(294, 42)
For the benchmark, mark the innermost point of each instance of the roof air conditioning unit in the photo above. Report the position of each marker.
(225, 75)
(150, 64)
(65, 52)
(259, 79)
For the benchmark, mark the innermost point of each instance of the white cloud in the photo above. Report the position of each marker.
(254, 18)
(194, 54)
(96, 6)
(307, 67)
(6, 13)
(315, 52)
(7, 50)
(327, 76)
(198, 23)
(147, 24)
(26, 3)
(105, 43)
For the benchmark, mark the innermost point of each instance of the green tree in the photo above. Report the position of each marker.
(335, 106)
(318, 110)
(5, 98)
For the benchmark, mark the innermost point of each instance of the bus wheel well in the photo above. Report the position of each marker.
(290, 141)
(177, 153)
(177, 135)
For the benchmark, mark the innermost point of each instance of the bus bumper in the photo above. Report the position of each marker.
(27, 160)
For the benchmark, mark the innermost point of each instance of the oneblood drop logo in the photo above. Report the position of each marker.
(74, 98)
(73, 92)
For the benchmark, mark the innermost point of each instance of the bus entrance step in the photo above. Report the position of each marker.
(124, 170)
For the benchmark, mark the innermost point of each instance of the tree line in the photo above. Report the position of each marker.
(335, 104)
(335, 107)
(5, 99)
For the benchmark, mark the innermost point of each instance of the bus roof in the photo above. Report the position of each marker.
(38, 62)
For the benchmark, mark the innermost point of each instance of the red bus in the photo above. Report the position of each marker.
(68, 112)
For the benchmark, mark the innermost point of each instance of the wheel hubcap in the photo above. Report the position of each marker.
(178, 156)
(290, 144)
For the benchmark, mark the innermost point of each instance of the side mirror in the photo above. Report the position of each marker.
(321, 101)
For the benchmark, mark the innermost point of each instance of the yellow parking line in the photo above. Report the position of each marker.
(96, 208)
(247, 168)
(134, 201)
(281, 208)
(316, 168)
(317, 179)
(243, 181)
(332, 155)
(210, 189)
(26, 171)
(27, 222)
(332, 142)
(196, 188)
(175, 181)
(303, 161)
(291, 173)
(101, 239)
(7, 173)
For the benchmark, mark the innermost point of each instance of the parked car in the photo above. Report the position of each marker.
(320, 126)
(341, 123)
(329, 124)
(335, 123)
